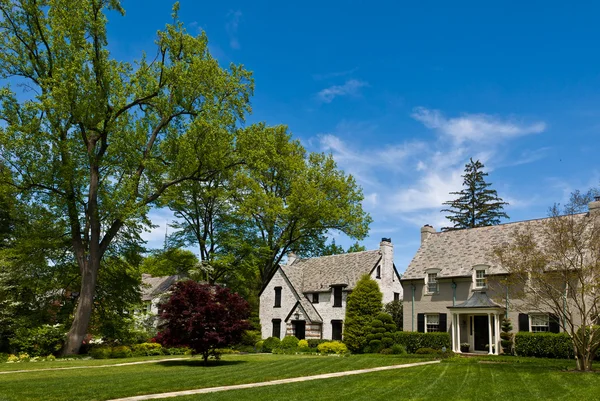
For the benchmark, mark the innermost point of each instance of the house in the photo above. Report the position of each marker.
(306, 298)
(453, 283)
(153, 288)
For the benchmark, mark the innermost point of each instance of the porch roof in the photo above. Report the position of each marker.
(479, 299)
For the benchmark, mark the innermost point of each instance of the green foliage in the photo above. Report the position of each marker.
(427, 351)
(121, 351)
(289, 342)
(414, 340)
(101, 352)
(506, 337)
(477, 205)
(381, 335)
(39, 341)
(314, 342)
(303, 345)
(363, 305)
(398, 349)
(270, 344)
(259, 346)
(178, 351)
(334, 249)
(169, 262)
(544, 345)
(250, 337)
(147, 349)
(333, 347)
(396, 310)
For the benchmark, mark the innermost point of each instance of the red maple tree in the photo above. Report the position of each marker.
(203, 318)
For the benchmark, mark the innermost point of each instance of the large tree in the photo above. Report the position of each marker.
(94, 141)
(477, 205)
(556, 267)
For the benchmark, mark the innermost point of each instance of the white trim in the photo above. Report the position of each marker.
(438, 321)
(530, 316)
(475, 269)
(437, 285)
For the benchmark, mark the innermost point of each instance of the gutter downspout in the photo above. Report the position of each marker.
(506, 313)
(453, 293)
(413, 307)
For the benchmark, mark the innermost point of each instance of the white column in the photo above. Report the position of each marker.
(490, 334)
(458, 332)
(498, 334)
(453, 331)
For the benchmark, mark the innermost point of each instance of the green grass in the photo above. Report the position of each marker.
(456, 379)
(114, 382)
(79, 362)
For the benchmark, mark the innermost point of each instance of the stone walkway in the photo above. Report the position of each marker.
(92, 366)
(269, 383)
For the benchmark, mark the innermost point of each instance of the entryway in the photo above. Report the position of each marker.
(299, 329)
(481, 333)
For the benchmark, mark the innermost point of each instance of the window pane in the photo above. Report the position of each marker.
(480, 278)
(432, 282)
(433, 319)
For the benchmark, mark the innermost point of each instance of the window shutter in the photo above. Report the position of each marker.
(523, 322)
(553, 324)
(443, 322)
(421, 322)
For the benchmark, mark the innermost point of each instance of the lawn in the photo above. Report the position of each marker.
(114, 382)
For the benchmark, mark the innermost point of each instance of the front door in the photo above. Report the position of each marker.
(300, 329)
(481, 332)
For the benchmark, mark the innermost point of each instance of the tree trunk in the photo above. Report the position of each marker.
(584, 362)
(83, 312)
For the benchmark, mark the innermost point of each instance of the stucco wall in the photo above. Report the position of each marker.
(267, 311)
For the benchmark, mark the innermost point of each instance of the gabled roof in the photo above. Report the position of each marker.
(155, 286)
(319, 274)
(294, 276)
(456, 252)
(479, 299)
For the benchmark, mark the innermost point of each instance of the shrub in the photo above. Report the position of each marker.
(427, 351)
(381, 333)
(314, 342)
(100, 352)
(38, 341)
(544, 345)
(363, 305)
(333, 347)
(412, 341)
(398, 349)
(24, 357)
(3, 357)
(12, 358)
(259, 346)
(270, 344)
(303, 344)
(121, 351)
(386, 351)
(395, 310)
(506, 337)
(147, 349)
(178, 351)
(289, 342)
(250, 337)
(50, 358)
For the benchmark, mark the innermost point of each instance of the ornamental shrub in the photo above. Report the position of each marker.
(314, 343)
(381, 333)
(3, 357)
(544, 345)
(333, 347)
(177, 351)
(147, 349)
(398, 349)
(250, 337)
(363, 305)
(270, 344)
(39, 341)
(427, 351)
(506, 337)
(289, 342)
(100, 352)
(259, 346)
(412, 340)
(121, 351)
(303, 344)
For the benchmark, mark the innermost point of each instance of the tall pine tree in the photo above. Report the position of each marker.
(477, 205)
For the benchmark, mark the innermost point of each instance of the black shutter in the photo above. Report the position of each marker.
(523, 322)
(553, 324)
(443, 322)
(421, 322)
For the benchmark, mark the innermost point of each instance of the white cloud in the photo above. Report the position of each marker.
(349, 88)
(233, 21)
(475, 127)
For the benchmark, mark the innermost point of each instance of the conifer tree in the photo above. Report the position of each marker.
(477, 204)
(364, 304)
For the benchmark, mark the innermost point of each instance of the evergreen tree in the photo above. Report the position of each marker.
(363, 305)
(477, 205)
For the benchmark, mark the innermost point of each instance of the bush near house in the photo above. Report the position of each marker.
(333, 347)
(289, 342)
(38, 341)
(544, 345)
(147, 349)
(412, 341)
(314, 343)
(270, 344)
(381, 333)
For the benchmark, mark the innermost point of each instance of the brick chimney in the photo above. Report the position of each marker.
(291, 258)
(387, 256)
(426, 232)
(594, 207)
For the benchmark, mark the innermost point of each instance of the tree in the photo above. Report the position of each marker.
(203, 317)
(169, 262)
(362, 306)
(477, 205)
(292, 199)
(506, 337)
(381, 333)
(335, 249)
(95, 142)
(396, 310)
(559, 262)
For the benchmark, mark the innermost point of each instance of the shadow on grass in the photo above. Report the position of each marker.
(200, 363)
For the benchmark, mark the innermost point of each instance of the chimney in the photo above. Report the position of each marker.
(146, 275)
(387, 257)
(594, 207)
(426, 232)
(291, 258)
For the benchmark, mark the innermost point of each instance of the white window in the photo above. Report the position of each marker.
(432, 282)
(432, 323)
(539, 323)
(480, 280)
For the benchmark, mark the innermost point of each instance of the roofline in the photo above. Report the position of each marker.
(264, 287)
(337, 254)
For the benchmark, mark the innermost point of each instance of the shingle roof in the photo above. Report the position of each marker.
(456, 252)
(479, 299)
(318, 274)
(295, 278)
(155, 286)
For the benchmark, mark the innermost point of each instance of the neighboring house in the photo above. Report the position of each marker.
(153, 288)
(453, 280)
(307, 297)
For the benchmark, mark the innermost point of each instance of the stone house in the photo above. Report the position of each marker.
(307, 297)
(453, 283)
(153, 289)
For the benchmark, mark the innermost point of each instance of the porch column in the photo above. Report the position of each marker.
(497, 334)
(458, 333)
(452, 336)
(490, 344)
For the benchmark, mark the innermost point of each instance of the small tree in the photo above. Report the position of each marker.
(364, 303)
(380, 333)
(507, 337)
(396, 310)
(203, 317)
(477, 205)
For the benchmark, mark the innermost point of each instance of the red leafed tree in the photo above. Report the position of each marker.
(203, 317)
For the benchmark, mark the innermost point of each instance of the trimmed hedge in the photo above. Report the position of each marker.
(270, 344)
(544, 345)
(289, 342)
(413, 340)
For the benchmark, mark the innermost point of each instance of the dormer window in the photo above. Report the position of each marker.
(480, 277)
(432, 283)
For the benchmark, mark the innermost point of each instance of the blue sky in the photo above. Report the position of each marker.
(404, 93)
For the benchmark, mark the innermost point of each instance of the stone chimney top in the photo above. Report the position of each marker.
(594, 207)
(426, 232)
(146, 275)
(291, 258)
(388, 240)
